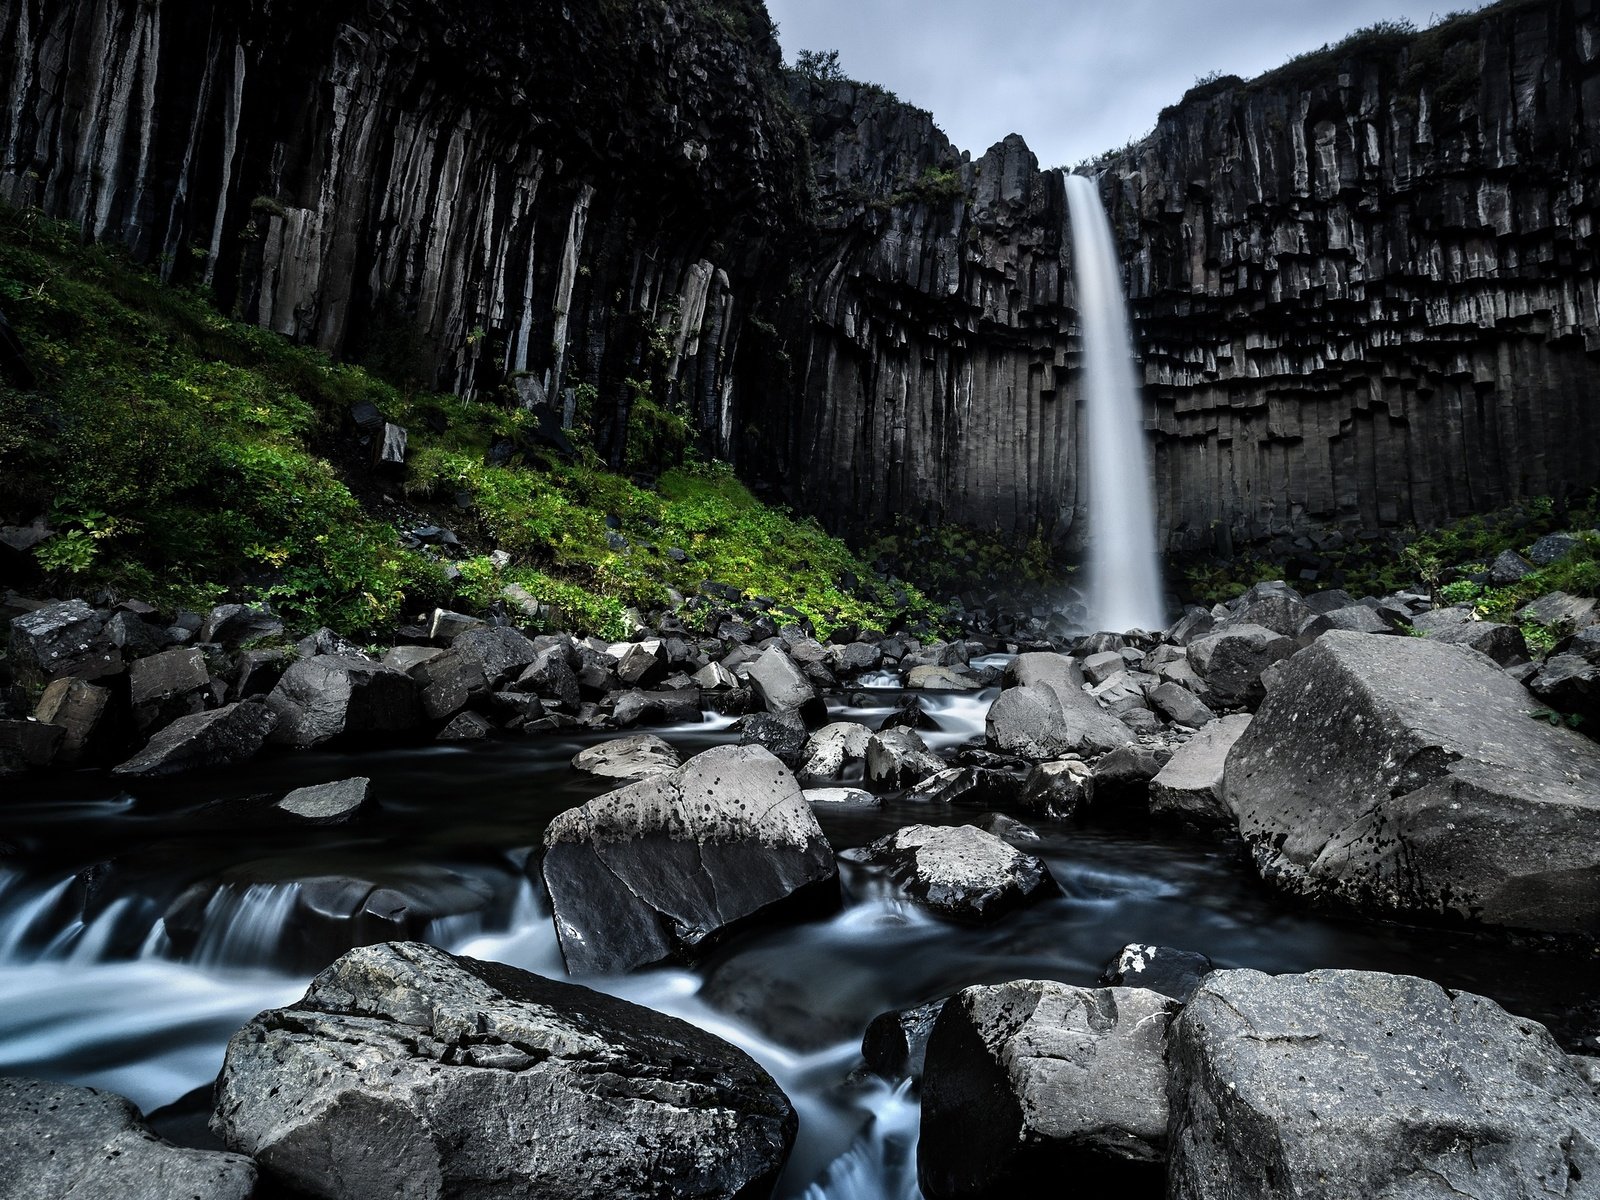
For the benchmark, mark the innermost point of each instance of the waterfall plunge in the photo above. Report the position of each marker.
(1124, 570)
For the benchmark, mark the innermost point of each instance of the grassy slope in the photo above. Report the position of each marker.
(185, 458)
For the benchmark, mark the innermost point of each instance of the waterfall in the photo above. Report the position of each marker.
(1124, 570)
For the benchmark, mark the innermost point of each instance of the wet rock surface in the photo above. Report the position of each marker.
(960, 871)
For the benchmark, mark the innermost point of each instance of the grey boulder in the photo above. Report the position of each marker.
(899, 758)
(1046, 721)
(1189, 788)
(224, 737)
(59, 1142)
(960, 871)
(636, 757)
(1031, 1084)
(406, 1072)
(784, 689)
(834, 753)
(1060, 790)
(327, 803)
(169, 685)
(1040, 666)
(658, 870)
(332, 696)
(1341, 1084)
(1231, 661)
(1406, 776)
(1174, 973)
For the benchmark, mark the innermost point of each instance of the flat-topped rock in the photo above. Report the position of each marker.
(1047, 721)
(960, 871)
(636, 757)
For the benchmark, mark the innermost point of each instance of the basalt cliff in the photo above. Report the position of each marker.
(1364, 286)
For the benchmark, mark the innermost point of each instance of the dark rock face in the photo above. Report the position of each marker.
(896, 1043)
(1174, 973)
(1404, 775)
(1031, 1083)
(659, 869)
(327, 803)
(407, 1072)
(224, 737)
(167, 686)
(58, 1141)
(1047, 721)
(1348, 1083)
(334, 696)
(961, 871)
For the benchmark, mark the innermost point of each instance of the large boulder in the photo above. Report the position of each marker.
(501, 654)
(1061, 790)
(84, 711)
(657, 870)
(407, 1072)
(1342, 1084)
(636, 757)
(896, 1043)
(1040, 666)
(899, 758)
(1189, 788)
(1174, 973)
(834, 753)
(960, 871)
(341, 697)
(1232, 660)
(169, 685)
(224, 737)
(1405, 775)
(1460, 626)
(1047, 721)
(59, 1142)
(784, 689)
(60, 640)
(1038, 1088)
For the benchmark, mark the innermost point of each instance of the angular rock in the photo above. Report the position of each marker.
(1032, 1083)
(1405, 775)
(898, 758)
(1354, 618)
(960, 871)
(1059, 790)
(551, 677)
(62, 640)
(59, 1142)
(1189, 788)
(1181, 705)
(502, 654)
(834, 752)
(446, 683)
(1007, 829)
(339, 697)
(896, 1043)
(1570, 686)
(642, 664)
(1025, 670)
(1231, 661)
(407, 1072)
(973, 787)
(636, 757)
(258, 672)
(681, 707)
(1510, 567)
(169, 685)
(1552, 548)
(784, 690)
(658, 870)
(327, 803)
(445, 626)
(83, 711)
(941, 678)
(714, 677)
(784, 737)
(1340, 1084)
(237, 625)
(1174, 973)
(466, 727)
(28, 745)
(223, 737)
(1562, 612)
(1460, 626)
(1045, 721)
(1101, 667)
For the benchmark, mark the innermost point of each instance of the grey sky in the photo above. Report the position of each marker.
(1073, 77)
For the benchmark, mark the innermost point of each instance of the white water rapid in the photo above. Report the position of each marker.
(1124, 571)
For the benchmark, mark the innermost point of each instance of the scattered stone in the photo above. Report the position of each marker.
(784, 690)
(896, 1043)
(1025, 670)
(59, 1142)
(1570, 686)
(835, 752)
(898, 758)
(1231, 661)
(1460, 626)
(1348, 1083)
(1045, 721)
(327, 803)
(551, 677)
(224, 737)
(1563, 613)
(502, 654)
(960, 871)
(1007, 829)
(1510, 567)
(1124, 775)
(1060, 790)
(237, 625)
(1174, 973)
(974, 787)
(1181, 705)
(59, 640)
(407, 1072)
(638, 757)
(83, 711)
(1189, 787)
(784, 737)
(1406, 776)
(169, 685)
(1035, 1080)
(658, 870)
(339, 697)
(446, 683)
(1552, 548)
(1354, 618)
(466, 727)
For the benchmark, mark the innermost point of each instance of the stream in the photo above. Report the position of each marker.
(114, 1000)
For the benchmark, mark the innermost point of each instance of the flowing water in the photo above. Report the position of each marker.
(1124, 569)
(95, 988)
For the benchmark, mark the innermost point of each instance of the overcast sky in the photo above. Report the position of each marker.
(1074, 77)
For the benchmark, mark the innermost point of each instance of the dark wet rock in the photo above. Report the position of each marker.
(1460, 626)
(1195, 623)
(339, 697)
(642, 665)
(325, 641)
(445, 626)
(896, 1042)
(835, 752)
(1174, 973)
(960, 871)
(224, 737)
(1177, 703)
(466, 727)
(1329, 601)
(1124, 775)
(656, 708)
(1562, 612)
(636, 757)
(1058, 790)
(1570, 686)
(971, 787)
(59, 1142)
(1046, 721)
(551, 677)
(1283, 615)
(1025, 670)
(1339, 1084)
(133, 635)
(447, 683)
(1510, 567)
(658, 870)
(854, 658)
(1405, 775)
(258, 671)
(408, 658)
(898, 758)
(515, 710)
(1033, 1080)
(1189, 788)
(407, 1072)
(784, 690)
(784, 737)
(1552, 548)
(1007, 829)
(169, 685)
(910, 715)
(502, 654)
(1231, 661)
(28, 745)
(1353, 618)
(714, 677)
(85, 712)
(60, 640)
(327, 803)
(237, 625)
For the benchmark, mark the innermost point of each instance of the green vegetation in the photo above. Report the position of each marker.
(946, 559)
(185, 458)
(821, 65)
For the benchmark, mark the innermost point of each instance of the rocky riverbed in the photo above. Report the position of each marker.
(1300, 889)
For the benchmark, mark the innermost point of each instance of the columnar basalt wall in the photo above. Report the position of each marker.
(509, 194)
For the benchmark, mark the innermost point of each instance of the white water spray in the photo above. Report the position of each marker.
(1124, 566)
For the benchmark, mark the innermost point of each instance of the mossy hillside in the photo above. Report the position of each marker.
(186, 458)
